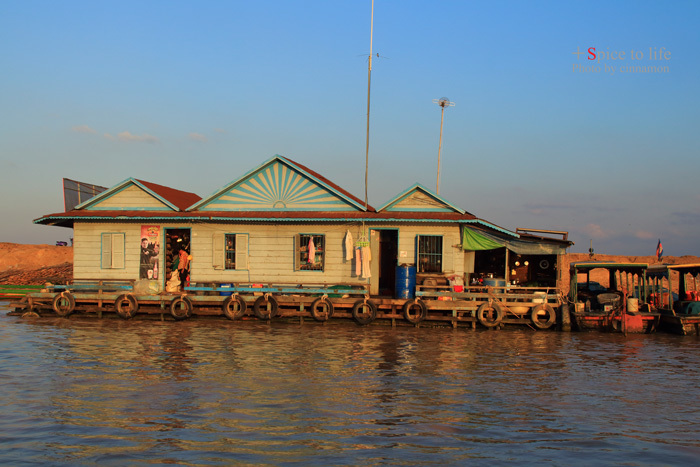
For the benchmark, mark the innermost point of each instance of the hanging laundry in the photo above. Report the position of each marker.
(358, 261)
(312, 251)
(366, 258)
(348, 246)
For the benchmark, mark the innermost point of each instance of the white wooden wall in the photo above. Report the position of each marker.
(271, 251)
(87, 258)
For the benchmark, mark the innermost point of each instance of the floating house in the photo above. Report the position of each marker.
(283, 223)
(260, 227)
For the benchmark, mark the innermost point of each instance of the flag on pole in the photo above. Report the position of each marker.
(659, 250)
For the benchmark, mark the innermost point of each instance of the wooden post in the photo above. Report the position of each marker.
(565, 318)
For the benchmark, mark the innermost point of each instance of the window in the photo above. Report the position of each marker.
(429, 253)
(230, 251)
(112, 251)
(310, 252)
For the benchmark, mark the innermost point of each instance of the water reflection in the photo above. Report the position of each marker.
(208, 392)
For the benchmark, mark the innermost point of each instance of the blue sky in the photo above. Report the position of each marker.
(195, 94)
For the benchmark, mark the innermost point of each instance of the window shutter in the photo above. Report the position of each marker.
(417, 253)
(445, 257)
(323, 256)
(118, 251)
(217, 253)
(242, 251)
(106, 251)
(296, 252)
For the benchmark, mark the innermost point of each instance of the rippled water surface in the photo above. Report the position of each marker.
(216, 392)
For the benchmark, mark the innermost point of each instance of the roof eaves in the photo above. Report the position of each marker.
(490, 226)
(418, 186)
(148, 190)
(105, 194)
(318, 178)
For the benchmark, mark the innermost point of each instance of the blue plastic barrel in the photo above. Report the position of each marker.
(405, 281)
(226, 286)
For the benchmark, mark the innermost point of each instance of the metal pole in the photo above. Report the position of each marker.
(369, 82)
(442, 119)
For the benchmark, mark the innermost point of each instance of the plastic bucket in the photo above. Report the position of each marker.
(226, 286)
(405, 281)
(632, 305)
(540, 297)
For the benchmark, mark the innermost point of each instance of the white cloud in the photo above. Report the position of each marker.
(83, 129)
(198, 137)
(8, 165)
(144, 138)
(643, 235)
(594, 231)
(220, 130)
(109, 137)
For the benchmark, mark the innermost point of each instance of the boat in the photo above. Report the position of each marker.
(616, 304)
(679, 314)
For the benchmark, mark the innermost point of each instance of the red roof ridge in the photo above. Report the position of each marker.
(181, 199)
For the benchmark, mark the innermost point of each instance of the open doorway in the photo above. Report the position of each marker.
(385, 248)
(177, 259)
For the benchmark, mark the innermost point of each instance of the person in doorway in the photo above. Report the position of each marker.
(183, 265)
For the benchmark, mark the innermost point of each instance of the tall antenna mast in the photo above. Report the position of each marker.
(369, 82)
(442, 102)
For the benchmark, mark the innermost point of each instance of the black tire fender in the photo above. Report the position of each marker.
(181, 308)
(63, 304)
(361, 316)
(317, 309)
(231, 303)
(543, 311)
(127, 306)
(261, 302)
(490, 314)
(414, 311)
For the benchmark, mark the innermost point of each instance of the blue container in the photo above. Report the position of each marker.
(496, 282)
(226, 286)
(405, 281)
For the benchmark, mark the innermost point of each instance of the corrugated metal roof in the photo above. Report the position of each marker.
(260, 216)
(181, 199)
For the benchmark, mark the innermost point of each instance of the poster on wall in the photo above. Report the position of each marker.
(150, 251)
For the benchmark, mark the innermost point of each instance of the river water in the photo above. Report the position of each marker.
(217, 392)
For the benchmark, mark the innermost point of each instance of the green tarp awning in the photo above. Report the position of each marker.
(472, 240)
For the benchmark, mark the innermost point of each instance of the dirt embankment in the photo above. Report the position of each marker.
(37, 264)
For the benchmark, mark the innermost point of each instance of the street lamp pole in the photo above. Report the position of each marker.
(442, 102)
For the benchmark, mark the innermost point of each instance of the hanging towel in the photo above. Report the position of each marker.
(348, 246)
(358, 262)
(312, 251)
(366, 258)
